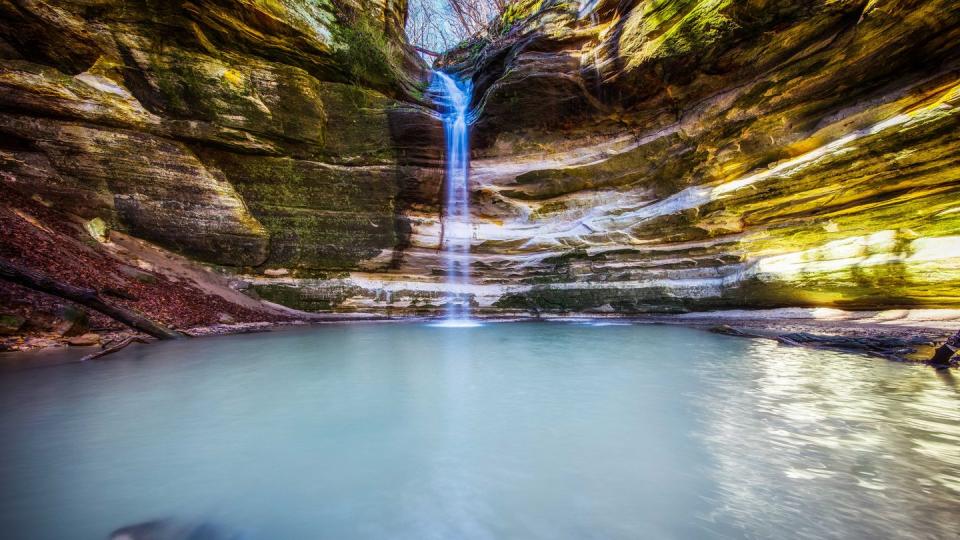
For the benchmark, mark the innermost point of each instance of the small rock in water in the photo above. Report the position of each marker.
(168, 529)
(728, 331)
(947, 353)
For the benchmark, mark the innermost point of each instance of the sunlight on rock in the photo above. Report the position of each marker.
(538, 269)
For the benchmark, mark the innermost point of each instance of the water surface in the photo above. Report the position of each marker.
(503, 431)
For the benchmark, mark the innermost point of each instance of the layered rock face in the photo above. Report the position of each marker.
(252, 135)
(629, 155)
(670, 155)
(244, 134)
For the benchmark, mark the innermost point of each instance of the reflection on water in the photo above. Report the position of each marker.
(862, 448)
(500, 431)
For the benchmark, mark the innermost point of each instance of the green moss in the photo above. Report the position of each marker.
(358, 127)
(656, 165)
(367, 56)
(319, 217)
(305, 298)
(10, 324)
(567, 300)
(241, 93)
(696, 29)
(705, 26)
(516, 12)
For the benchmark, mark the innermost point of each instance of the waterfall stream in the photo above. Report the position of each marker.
(453, 98)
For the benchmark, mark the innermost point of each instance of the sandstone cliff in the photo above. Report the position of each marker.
(629, 155)
(245, 135)
(638, 155)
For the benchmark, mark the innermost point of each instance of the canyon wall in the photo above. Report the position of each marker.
(630, 156)
(246, 135)
(674, 155)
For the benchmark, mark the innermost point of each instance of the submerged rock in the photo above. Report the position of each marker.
(168, 529)
(946, 354)
(887, 347)
(728, 330)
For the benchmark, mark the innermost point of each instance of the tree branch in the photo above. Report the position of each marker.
(85, 297)
(426, 51)
(114, 348)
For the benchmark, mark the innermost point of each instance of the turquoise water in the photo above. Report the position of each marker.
(532, 431)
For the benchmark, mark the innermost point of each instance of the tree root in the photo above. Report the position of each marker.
(115, 348)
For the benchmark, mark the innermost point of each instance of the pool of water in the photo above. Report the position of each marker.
(554, 430)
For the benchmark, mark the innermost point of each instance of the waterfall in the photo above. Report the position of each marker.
(453, 98)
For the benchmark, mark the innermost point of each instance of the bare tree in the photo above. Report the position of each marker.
(434, 26)
(431, 27)
(474, 15)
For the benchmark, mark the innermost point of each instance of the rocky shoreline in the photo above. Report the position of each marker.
(901, 335)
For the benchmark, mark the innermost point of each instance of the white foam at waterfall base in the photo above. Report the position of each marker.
(456, 323)
(453, 97)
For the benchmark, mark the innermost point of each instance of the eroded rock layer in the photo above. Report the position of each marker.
(210, 127)
(252, 136)
(662, 155)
